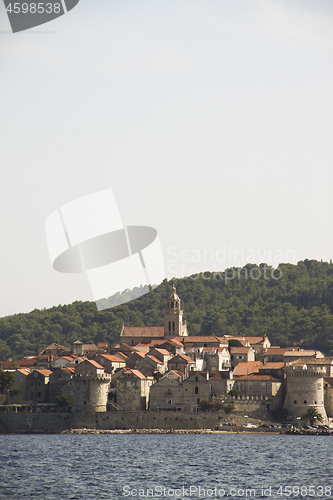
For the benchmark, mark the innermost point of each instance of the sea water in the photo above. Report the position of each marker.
(165, 466)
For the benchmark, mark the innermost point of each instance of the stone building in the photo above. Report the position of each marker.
(54, 349)
(110, 362)
(133, 390)
(241, 355)
(196, 388)
(182, 363)
(166, 394)
(174, 393)
(221, 383)
(38, 386)
(61, 384)
(260, 386)
(217, 359)
(89, 350)
(21, 376)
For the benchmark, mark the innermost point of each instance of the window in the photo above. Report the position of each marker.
(198, 400)
(171, 305)
(39, 395)
(169, 326)
(196, 390)
(173, 326)
(32, 383)
(295, 402)
(263, 386)
(250, 386)
(196, 379)
(169, 401)
(305, 402)
(31, 395)
(39, 383)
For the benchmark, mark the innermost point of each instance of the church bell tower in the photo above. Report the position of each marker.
(173, 317)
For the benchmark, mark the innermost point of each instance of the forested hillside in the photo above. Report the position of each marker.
(296, 309)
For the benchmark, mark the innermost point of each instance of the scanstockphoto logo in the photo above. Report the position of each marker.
(87, 236)
(25, 15)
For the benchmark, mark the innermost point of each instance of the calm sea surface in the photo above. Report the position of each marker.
(84, 467)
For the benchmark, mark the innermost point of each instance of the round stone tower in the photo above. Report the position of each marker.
(91, 392)
(173, 317)
(305, 388)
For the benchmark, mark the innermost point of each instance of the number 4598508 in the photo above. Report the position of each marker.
(33, 8)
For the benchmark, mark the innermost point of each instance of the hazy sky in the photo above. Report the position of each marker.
(210, 119)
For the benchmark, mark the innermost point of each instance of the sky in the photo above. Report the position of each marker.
(211, 121)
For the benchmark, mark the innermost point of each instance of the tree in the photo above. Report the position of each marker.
(211, 405)
(234, 392)
(7, 379)
(311, 415)
(63, 401)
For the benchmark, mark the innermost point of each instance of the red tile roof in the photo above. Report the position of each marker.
(23, 371)
(46, 373)
(112, 357)
(154, 359)
(204, 339)
(307, 352)
(143, 331)
(255, 340)
(277, 350)
(22, 363)
(177, 372)
(246, 368)
(312, 361)
(273, 365)
(174, 342)
(138, 353)
(256, 376)
(182, 356)
(94, 363)
(239, 349)
(162, 351)
(137, 373)
(70, 371)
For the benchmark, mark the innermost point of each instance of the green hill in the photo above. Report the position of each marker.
(296, 309)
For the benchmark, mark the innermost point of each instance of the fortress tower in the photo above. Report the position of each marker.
(305, 388)
(91, 391)
(173, 317)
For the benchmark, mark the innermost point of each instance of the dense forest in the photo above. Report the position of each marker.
(294, 306)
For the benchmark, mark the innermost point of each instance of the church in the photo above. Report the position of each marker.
(173, 328)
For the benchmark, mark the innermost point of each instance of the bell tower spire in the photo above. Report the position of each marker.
(173, 317)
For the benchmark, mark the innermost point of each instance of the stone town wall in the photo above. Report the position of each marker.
(35, 422)
(58, 422)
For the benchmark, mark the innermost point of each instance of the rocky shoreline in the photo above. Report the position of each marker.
(164, 431)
